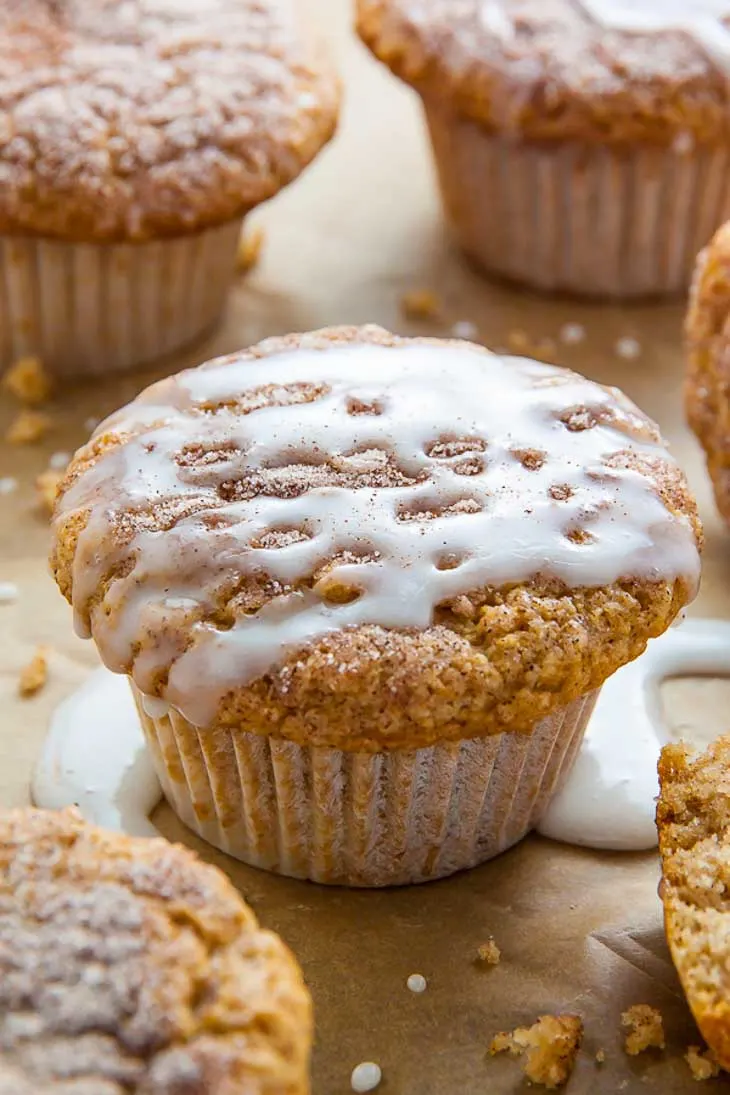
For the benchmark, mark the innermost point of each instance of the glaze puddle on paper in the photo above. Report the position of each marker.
(95, 755)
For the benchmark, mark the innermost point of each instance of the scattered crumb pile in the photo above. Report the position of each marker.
(421, 304)
(249, 250)
(489, 953)
(550, 1047)
(645, 1029)
(28, 381)
(703, 1066)
(693, 818)
(35, 674)
(28, 428)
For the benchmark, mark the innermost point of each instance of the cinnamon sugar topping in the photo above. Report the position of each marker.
(179, 513)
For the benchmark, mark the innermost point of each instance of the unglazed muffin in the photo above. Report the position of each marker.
(366, 589)
(129, 967)
(707, 388)
(582, 145)
(693, 819)
(134, 137)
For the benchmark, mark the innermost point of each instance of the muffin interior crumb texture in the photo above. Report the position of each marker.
(693, 817)
(320, 529)
(153, 118)
(645, 1029)
(128, 966)
(549, 1048)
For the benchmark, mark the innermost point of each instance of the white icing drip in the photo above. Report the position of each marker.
(702, 20)
(424, 394)
(609, 799)
(95, 757)
(95, 754)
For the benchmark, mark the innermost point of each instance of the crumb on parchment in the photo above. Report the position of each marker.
(646, 1029)
(550, 1046)
(28, 428)
(489, 953)
(249, 249)
(600, 1056)
(34, 675)
(703, 1065)
(420, 304)
(28, 381)
(46, 485)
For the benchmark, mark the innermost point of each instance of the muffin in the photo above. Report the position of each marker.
(130, 966)
(366, 589)
(581, 145)
(708, 354)
(693, 818)
(134, 139)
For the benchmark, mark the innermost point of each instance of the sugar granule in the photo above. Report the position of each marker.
(8, 593)
(366, 1077)
(8, 484)
(572, 333)
(465, 329)
(628, 348)
(417, 983)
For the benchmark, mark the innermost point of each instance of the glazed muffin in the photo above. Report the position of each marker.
(366, 588)
(708, 355)
(129, 966)
(581, 145)
(135, 138)
(693, 818)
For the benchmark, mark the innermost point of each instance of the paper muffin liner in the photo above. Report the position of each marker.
(360, 819)
(93, 309)
(591, 220)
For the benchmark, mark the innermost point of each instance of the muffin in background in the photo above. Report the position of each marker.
(581, 145)
(707, 385)
(366, 589)
(130, 965)
(134, 139)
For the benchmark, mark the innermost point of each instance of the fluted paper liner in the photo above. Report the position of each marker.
(93, 309)
(360, 819)
(594, 220)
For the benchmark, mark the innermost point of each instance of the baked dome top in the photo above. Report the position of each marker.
(595, 70)
(349, 496)
(132, 966)
(135, 119)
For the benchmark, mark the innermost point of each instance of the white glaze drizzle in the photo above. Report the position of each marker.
(95, 755)
(701, 20)
(425, 395)
(609, 799)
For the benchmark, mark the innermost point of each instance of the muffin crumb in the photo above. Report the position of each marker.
(249, 249)
(366, 1077)
(28, 381)
(28, 428)
(420, 304)
(489, 953)
(703, 1066)
(646, 1029)
(600, 1056)
(551, 1045)
(35, 674)
(519, 341)
(46, 485)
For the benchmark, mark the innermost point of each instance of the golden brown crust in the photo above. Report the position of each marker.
(545, 70)
(693, 818)
(129, 966)
(707, 386)
(493, 660)
(151, 119)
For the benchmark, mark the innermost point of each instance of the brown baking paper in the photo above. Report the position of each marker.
(579, 931)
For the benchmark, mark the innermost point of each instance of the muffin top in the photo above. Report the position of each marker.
(593, 70)
(130, 966)
(138, 119)
(356, 538)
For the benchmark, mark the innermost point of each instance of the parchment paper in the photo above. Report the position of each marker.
(579, 931)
